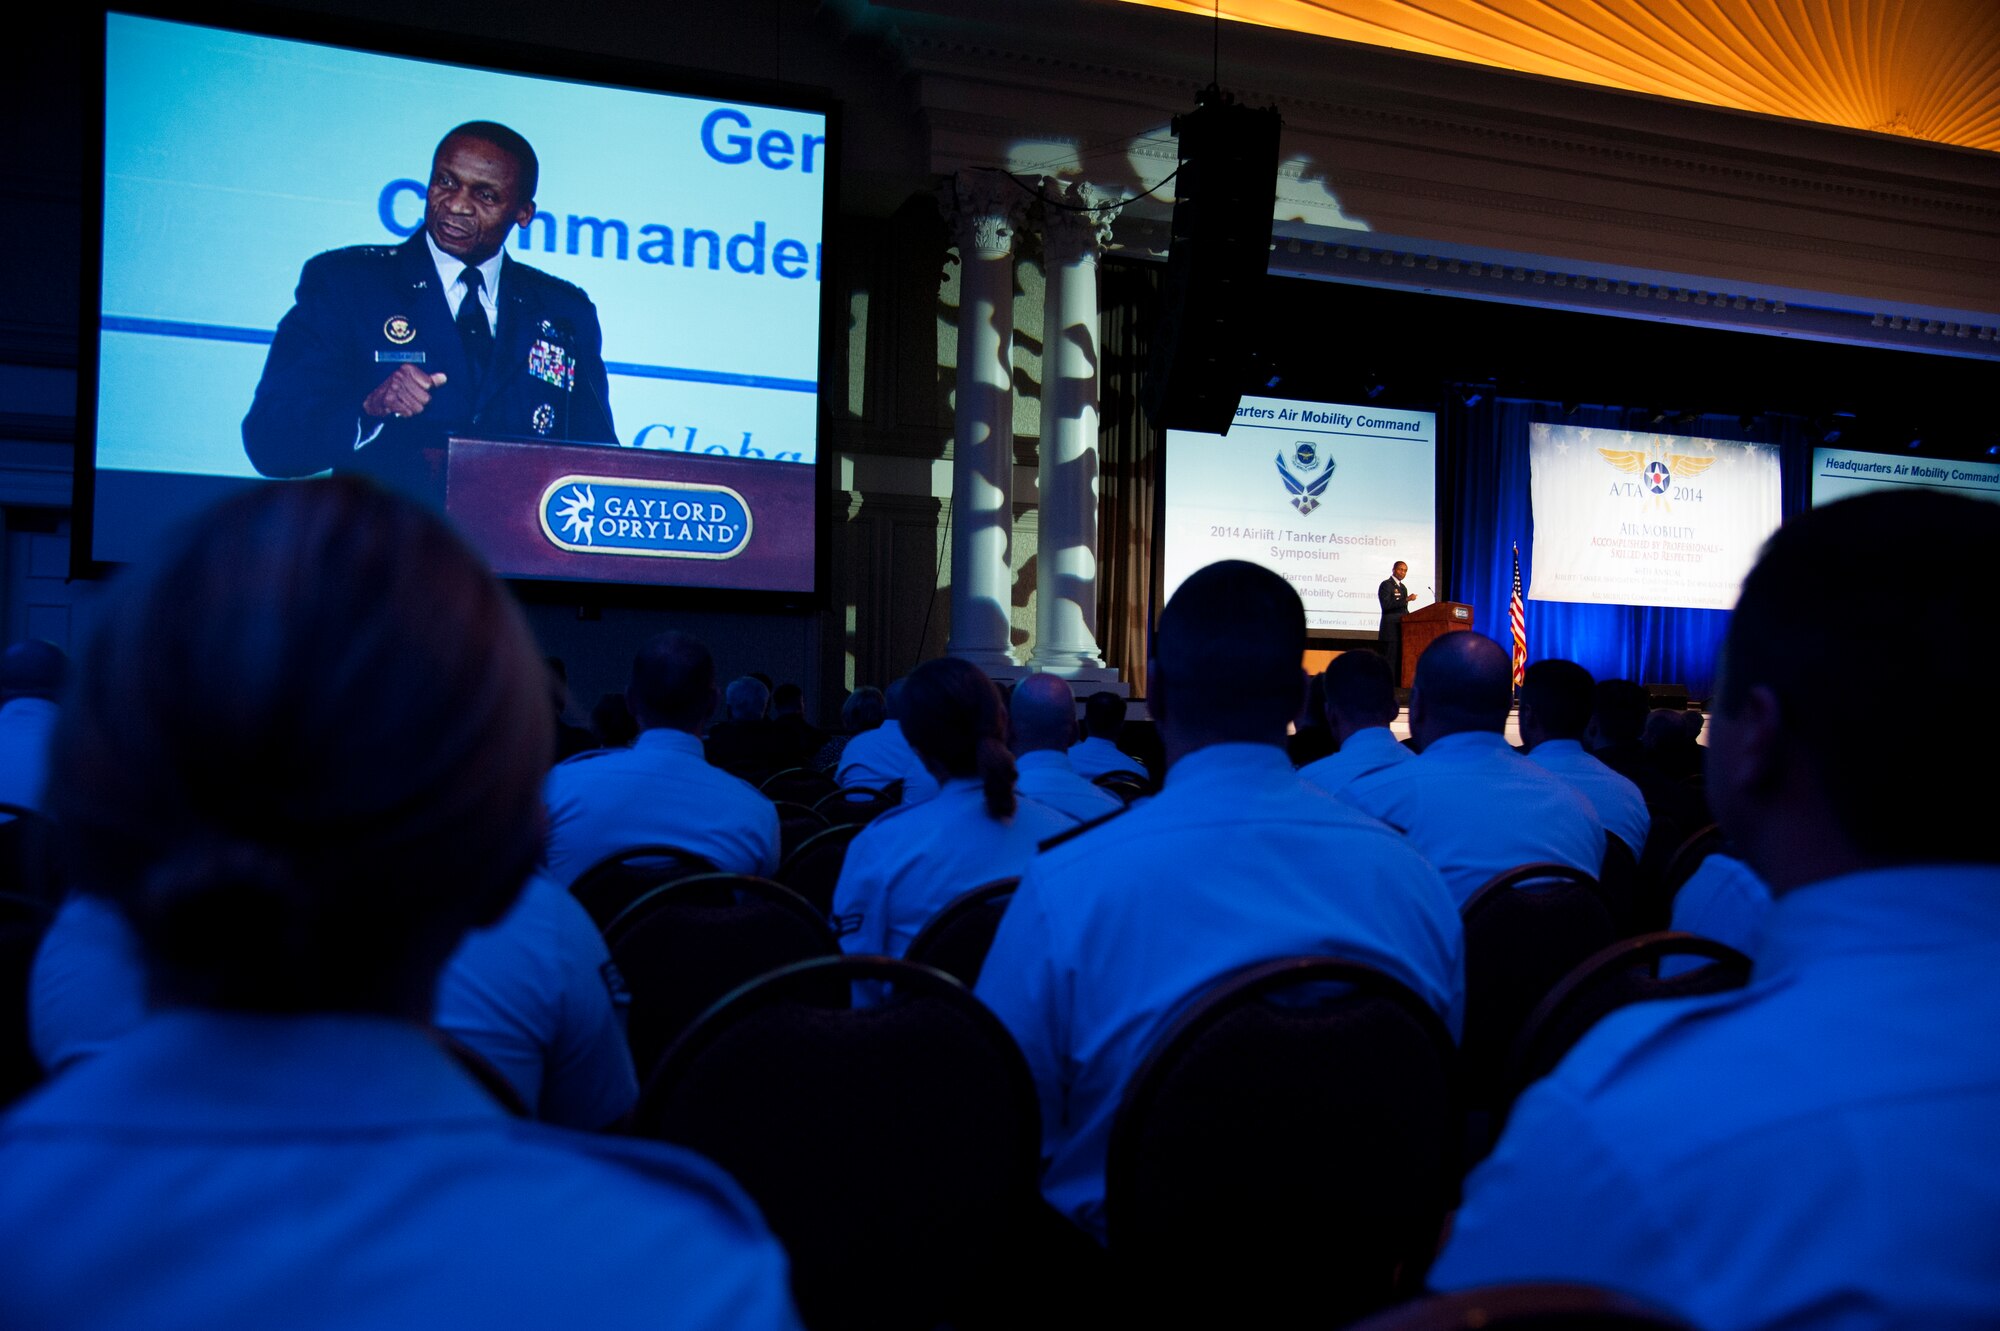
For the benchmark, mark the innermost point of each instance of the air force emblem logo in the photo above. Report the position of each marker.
(1658, 473)
(1305, 493)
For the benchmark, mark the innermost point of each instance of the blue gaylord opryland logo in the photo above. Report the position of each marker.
(616, 515)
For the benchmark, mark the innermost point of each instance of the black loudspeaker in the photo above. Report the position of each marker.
(1203, 343)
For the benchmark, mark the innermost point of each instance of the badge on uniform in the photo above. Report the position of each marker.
(544, 418)
(549, 360)
(399, 330)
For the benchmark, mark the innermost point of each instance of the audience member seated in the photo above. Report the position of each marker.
(1673, 742)
(570, 739)
(1725, 900)
(1619, 709)
(1556, 701)
(32, 674)
(1360, 698)
(910, 863)
(1238, 860)
(611, 721)
(1471, 804)
(879, 756)
(302, 758)
(661, 791)
(1042, 726)
(864, 710)
(1815, 1150)
(1312, 738)
(1098, 754)
(531, 995)
(797, 738)
(743, 742)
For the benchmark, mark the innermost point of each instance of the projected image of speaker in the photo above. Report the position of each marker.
(1202, 344)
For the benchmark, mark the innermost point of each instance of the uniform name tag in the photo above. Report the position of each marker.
(400, 357)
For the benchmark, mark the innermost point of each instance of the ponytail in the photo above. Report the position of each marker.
(996, 772)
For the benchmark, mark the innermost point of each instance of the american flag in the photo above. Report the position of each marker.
(1517, 617)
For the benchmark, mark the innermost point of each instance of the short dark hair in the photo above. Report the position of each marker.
(788, 698)
(673, 682)
(1231, 644)
(1359, 683)
(527, 167)
(864, 709)
(1103, 715)
(953, 718)
(1619, 706)
(304, 752)
(1561, 694)
(33, 669)
(1792, 633)
(1466, 682)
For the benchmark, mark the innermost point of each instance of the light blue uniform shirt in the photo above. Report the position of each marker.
(1817, 1150)
(661, 791)
(238, 1173)
(910, 863)
(1361, 753)
(1613, 798)
(1092, 758)
(1236, 861)
(877, 757)
(1724, 900)
(530, 995)
(1047, 778)
(1475, 808)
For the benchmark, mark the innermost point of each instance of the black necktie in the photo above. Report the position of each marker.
(472, 326)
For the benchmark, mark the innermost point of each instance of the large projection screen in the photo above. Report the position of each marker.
(1326, 494)
(1839, 473)
(691, 223)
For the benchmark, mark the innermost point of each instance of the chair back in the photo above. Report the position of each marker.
(1288, 1151)
(860, 804)
(616, 881)
(1618, 882)
(1627, 972)
(957, 938)
(28, 863)
(796, 822)
(1525, 930)
(1127, 786)
(813, 869)
(799, 785)
(685, 945)
(23, 921)
(1526, 1307)
(893, 1149)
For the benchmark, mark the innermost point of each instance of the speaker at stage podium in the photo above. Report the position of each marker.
(1202, 354)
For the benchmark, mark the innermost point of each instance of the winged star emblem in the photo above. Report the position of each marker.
(1305, 496)
(577, 513)
(1656, 469)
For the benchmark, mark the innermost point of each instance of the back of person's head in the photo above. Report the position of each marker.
(788, 700)
(953, 718)
(747, 698)
(1042, 714)
(673, 683)
(1464, 683)
(611, 721)
(1618, 711)
(33, 669)
(1228, 657)
(864, 709)
(304, 753)
(1559, 694)
(1104, 715)
(1893, 789)
(1359, 689)
(1664, 729)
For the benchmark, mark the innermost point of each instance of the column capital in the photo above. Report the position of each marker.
(983, 209)
(1069, 232)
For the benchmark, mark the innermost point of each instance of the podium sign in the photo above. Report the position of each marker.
(588, 513)
(1423, 627)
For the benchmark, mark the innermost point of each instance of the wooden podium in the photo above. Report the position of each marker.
(1423, 627)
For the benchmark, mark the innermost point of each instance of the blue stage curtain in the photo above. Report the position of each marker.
(1486, 509)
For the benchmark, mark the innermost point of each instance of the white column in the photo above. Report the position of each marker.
(984, 208)
(1066, 578)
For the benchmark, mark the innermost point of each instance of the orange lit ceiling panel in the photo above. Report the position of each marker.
(1928, 69)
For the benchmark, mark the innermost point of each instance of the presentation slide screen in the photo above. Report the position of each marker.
(1841, 472)
(279, 244)
(1629, 518)
(1329, 496)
